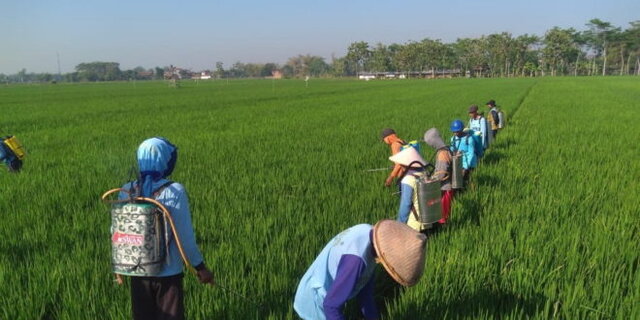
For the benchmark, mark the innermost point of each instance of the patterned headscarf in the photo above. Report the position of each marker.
(156, 160)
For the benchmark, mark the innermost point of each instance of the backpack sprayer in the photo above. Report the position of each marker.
(427, 191)
(457, 172)
(138, 247)
(12, 153)
(15, 146)
(139, 241)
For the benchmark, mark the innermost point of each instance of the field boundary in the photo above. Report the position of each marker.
(522, 99)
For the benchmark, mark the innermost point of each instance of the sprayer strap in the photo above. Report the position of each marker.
(415, 214)
(158, 191)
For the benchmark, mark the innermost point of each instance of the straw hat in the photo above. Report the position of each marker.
(401, 251)
(408, 157)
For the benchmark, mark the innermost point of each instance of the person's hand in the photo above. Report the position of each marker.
(388, 182)
(205, 276)
(119, 279)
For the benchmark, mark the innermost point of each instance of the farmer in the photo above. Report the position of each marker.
(413, 166)
(494, 119)
(463, 142)
(162, 296)
(345, 269)
(389, 137)
(478, 124)
(8, 155)
(442, 172)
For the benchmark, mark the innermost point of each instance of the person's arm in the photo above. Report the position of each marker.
(494, 115)
(397, 169)
(406, 202)
(182, 219)
(350, 268)
(367, 302)
(441, 171)
(469, 161)
(3, 152)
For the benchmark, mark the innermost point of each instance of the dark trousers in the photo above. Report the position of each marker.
(495, 133)
(157, 298)
(466, 175)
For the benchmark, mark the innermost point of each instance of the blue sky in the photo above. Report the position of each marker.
(196, 34)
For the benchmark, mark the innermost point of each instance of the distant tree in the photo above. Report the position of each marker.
(407, 57)
(380, 58)
(338, 66)
(219, 73)
(358, 55)
(22, 75)
(633, 36)
(99, 71)
(599, 35)
(298, 66)
(526, 53)
(268, 69)
(71, 77)
(431, 55)
(238, 70)
(317, 66)
(287, 71)
(158, 73)
(559, 49)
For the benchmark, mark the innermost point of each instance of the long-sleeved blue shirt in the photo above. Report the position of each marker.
(343, 270)
(174, 198)
(480, 125)
(350, 269)
(465, 145)
(406, 201)
(6, 155)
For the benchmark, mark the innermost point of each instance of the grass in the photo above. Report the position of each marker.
(274, 170)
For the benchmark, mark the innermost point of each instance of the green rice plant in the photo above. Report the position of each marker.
(274, 169)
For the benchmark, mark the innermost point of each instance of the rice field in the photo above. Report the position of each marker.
(274, 169)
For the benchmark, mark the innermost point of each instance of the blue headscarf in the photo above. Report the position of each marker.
(156, 160)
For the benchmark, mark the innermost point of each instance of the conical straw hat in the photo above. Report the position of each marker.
(401, 250)
(408, 157)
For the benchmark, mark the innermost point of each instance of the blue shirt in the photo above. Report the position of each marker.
(343, 270)
(466, 146)
(480, 125)
(406, 202)
(6, 155)
(174, 198)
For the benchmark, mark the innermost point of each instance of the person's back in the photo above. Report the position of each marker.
(350, 246)
(161, 296)
(493, 118)
(395, 144)
(442, 171)
(465, 145)
(345, 269)
(11, 153)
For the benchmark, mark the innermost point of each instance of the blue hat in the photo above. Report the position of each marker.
(456, 126)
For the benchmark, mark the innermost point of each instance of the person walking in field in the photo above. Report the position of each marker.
(478, 124)
(463, 142)
(442, 171)
(389, 137)
(494, 119)
(413, 165)
(11, 153)
(345, 269)
(161, 296)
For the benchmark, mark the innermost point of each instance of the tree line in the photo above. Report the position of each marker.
(599, 49)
